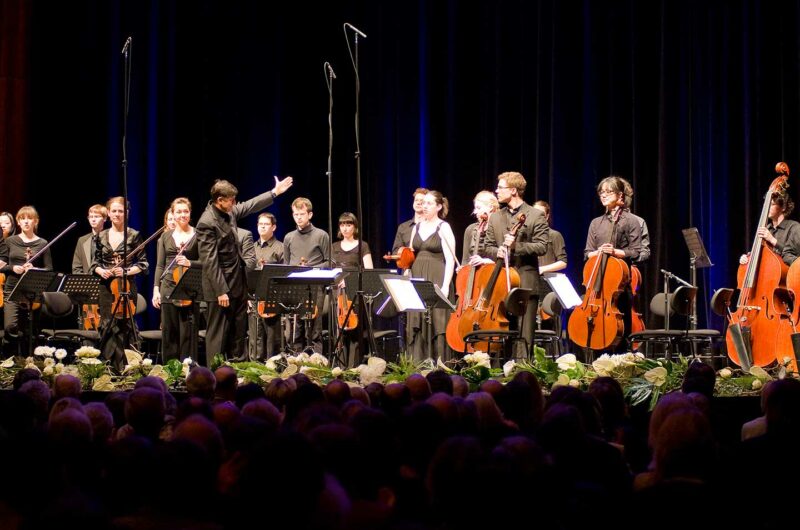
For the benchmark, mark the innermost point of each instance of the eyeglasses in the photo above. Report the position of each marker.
(606, 192)
(503, 187)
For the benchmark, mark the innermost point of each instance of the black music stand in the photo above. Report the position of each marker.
(28, 291)
(372, 291)
(82, 289)
(298, 293)
(190, 288)
(259, 288)
(698, 259)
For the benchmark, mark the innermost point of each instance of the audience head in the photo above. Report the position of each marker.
(201, 383)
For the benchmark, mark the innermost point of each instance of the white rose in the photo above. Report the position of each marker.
(336, 372)
(604, 365)
(574, 383)
(147, 362)
(8, 363)
(568, 361)
(508, 367)
(725, 373)
(318, 359)
(188, 361)
(61, 353)
(49, 361)
(656, 376)
(756, 384)
(48, 370)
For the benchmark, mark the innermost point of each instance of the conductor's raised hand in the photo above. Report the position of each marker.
(282, 185)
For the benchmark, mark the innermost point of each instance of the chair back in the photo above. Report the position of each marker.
(56, 305)
(517, 301)
(551, 304)
(141, 304)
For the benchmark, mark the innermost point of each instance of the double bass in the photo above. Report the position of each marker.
(467, 290)
(597, 324)
(759, 331)
(489, 310)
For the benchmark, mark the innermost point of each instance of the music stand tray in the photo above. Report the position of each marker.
(82, 288)
(696, 248)
(258, 280)
(431, 295)
(189, 287)
(371, 285)
(287, 294)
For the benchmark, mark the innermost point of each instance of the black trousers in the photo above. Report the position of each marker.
(226, 332)
(179, 327)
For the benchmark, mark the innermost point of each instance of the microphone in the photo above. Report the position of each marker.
(677, 279)
(330, 70)
(127, 45)
(348, 25)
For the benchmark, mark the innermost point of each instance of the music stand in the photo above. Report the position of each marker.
(416, 295)
(259, 288)
(29, 289)
(82, 289)
(372, 291)
(698, 259)
(300, 290)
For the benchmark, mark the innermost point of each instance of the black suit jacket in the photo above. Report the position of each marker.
(220, 251)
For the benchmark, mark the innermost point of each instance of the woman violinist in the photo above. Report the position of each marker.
(433, 243)
(626, 243)
(344, 254)
(177, 251)
(15, 256)
(108, 264)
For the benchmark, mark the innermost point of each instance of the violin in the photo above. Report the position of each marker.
(467, 290)
(119, 286)
(91, 317)
(404, 258)
(759, 331)
(489, 311)
(347, 318)
(597, 324)
(179, 271)
(28, 257)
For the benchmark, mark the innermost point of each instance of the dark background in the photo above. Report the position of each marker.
(693, 101)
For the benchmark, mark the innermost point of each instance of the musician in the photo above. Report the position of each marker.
(169, 220)
(780, 233)
(616, 196)
(265, 333)
(555, 257)
(433, 242)
(116, 314)
(224, 267)
(525, 249)
(484, 204)
(15, 255)
(84, 249)
(345, 255)
(7, 224)
(345, 251)
(177, 248)
(248, 248)
(307, 245)
(403, 236)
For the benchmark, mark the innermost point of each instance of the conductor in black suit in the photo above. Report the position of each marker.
(224, 266)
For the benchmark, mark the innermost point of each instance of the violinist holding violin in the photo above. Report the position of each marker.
(177, 251)
(617, 233)
(15, 259)
(524, 249)
(108, 264)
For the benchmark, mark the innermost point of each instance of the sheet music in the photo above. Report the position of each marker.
(403, 294)
(564, 290)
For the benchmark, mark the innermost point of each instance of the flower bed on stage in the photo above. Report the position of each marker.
(644, 380)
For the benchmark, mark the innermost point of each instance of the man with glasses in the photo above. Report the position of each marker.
(523, 250)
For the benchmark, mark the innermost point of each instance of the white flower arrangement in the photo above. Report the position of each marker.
(87, 352)
(44, 351)
(478, 358)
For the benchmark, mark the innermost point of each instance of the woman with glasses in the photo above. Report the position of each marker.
(617, 233)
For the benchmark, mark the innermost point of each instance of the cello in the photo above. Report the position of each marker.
(760, 329)
(467, 290)
(489, 310)
(637, 322)
(597, 324)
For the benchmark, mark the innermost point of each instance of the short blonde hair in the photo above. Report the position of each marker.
(99, 209)
(514, 179)
(487, 197)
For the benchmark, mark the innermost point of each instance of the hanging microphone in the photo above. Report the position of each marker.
(127, 45)
(330, 70)
(347, 24)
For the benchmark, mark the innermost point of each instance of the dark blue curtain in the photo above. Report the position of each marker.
(693, 101)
